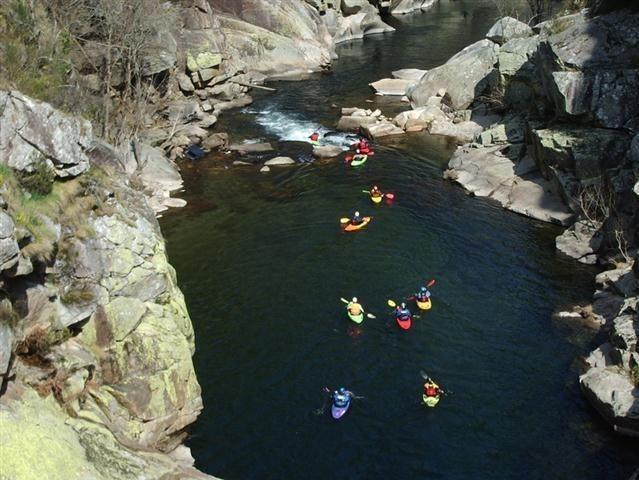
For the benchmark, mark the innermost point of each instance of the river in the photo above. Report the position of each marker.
(263, 264)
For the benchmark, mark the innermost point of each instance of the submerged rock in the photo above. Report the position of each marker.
(280, 161)
(391, 86)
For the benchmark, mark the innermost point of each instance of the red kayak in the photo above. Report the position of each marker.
(404, 324)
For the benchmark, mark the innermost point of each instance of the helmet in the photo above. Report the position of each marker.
(354, 299)
(357, 214)
(341, 390)
(375, 187)
(403, 305)
(357, 151)
(422, 289)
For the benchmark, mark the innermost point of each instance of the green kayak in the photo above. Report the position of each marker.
(358, 160)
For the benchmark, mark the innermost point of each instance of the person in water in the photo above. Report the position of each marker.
(357, 219)
(431, 389)
(341, 397)
(402, 312)
(354, 308)
(423, 295)
(376, 192)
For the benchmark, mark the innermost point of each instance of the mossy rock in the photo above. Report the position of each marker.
(203, 60)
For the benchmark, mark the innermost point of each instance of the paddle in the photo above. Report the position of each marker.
(426, 377)
(368, 315)
(344, 220)
(430, 283)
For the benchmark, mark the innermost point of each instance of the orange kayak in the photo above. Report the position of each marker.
(351, 228)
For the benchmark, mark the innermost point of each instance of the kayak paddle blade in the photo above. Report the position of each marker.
(344, 220)
(431, 282)
(390, 196)
(370, 315)
(391, 304)
(344, 300)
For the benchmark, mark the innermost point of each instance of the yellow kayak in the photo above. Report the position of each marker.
(427, 305)
(377, 199)
(430, 401)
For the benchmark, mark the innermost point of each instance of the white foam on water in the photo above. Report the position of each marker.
(289, 127)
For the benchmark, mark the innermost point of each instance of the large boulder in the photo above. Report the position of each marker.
(586, 152)
(353, 123)
(589, 67)
(33, 132)
(516, 186)
(465, 76)
(423, 116)
(614, 396)
(381, 129)
(507, 28)
(365, 22)
(391, 86)
(402, 7)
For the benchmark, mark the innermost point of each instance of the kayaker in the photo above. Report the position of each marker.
(341, 397)
(363, 147)
(402, 313)
(357, 219)
(431, 389)
(423, 295)
(354, 308)
(314, 137)
(376, 192)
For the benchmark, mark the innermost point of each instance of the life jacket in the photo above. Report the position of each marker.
(340, 400)
(422, 297)
(376, 193)
(403, 314)
(354, 308)
(430, 390)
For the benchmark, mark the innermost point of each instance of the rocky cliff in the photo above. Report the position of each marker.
(95, 338)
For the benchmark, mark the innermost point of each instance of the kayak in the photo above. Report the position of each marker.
(356, 318)
(351, 228)
(377, 199)
(424, 305)
(430, 401)
(358, 160)
(338, 412)
(404, 324)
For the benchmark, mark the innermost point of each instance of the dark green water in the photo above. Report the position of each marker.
(262, 263)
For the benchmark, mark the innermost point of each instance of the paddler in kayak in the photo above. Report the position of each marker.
(363, 147)
(314, 137)
(341, 397)
(423, 295)
(376, 192)
(431, 389)
(357, 219)
(354, 308)
(402, 313)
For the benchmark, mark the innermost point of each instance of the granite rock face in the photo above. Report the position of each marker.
(96, 356)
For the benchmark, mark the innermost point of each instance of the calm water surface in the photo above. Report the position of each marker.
(263, 264)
